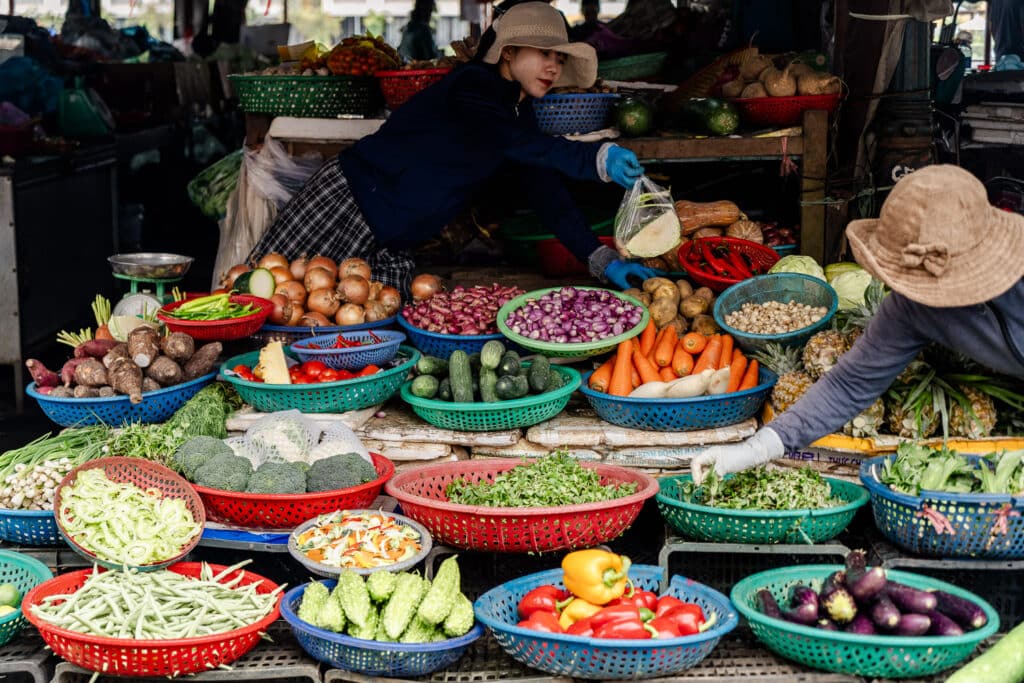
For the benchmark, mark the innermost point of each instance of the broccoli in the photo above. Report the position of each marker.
(194, 453)
(339, 472)
(277, 477)
(224, 472)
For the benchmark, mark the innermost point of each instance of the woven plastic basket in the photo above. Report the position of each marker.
(325, 397)
(783, 287)
(29, 527)
(289, 334)
(722, 525)
(632, 68)
(987, 526)
(156, 406)
(148, 476)
(373, 351)
(877, 656)
(219, 330)
(564, 350)
(782, 111)
(321, 97)
(764, 257)
(603, 658)
(681, 414)
(421, 494)
(286, 511)
(372, 657)
(125, 657)
(492, 417)
(442, 345)
(399, 85)
(24, 573)
(573, 113)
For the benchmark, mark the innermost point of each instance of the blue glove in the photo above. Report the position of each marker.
(622, 166)
(618, 270)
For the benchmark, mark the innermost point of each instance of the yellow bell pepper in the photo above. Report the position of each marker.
(595, 575)
(577, 609)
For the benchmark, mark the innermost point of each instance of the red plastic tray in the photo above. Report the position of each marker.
(782, 111)
(220, 330)
(398, 85)
(556, 260)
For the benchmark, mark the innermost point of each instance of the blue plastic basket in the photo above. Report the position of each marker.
(289, 334)
(973, 516)
(29, 527)
(442, 345)
(681, 414)
(565, 655)
(782, 287)
(569, 113)
(353, 357)
(156, 406)
(372, 657)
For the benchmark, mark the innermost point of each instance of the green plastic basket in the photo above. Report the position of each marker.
(631, 68)
(722, 525)
(324, 97)
(567, 350)
(877, 656)
(489, 417)
(326, 397)
(25, 573)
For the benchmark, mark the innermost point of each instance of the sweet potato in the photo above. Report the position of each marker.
(202, 361)
(90, 373)
(94, 348)
(143, 345)
(82, 391)
(165, 371)
(41, 375)
(178, 346)
(119, 351)
(126, 378)
(150, 384)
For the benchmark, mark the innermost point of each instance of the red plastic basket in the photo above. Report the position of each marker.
(401, 84)
(421, 495)
(764, 256)
(782, 111)
(220, 330)
(125, 657)
(145, 474)
(281, 510)
(556, 260)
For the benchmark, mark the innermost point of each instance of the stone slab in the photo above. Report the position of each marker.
(401, 424)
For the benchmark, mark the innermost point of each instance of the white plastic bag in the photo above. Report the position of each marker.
(339, 438)
(275, 175)
(646, 224)
(284, 436)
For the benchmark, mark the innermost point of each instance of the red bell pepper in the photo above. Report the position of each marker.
(686, 619)
(646, 599)
(629, 629)
(583, 627)
(666, 627)
(542, 621)
(367, 371)
(614, 613)
(543, 599)
(665, 603)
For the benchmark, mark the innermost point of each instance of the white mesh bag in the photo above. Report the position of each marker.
(284, 436)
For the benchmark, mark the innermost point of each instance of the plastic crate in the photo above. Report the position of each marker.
(764, 257)
(557, 261)
(681, 414)
(603, 658)
(573, 113)
(633, 68)
(782, 111)
(24, 573)
(782, 287)
(398, 85)
(377, 348)
(323, 97)
(219, 330)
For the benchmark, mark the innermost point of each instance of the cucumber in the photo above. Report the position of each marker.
(512, 386)
(432, 365)
(258, 282)
(510, 364)
(444, 390)
(461, 376)
(488, 384)
(490, 354)
(538, 374)
(474, 361)
(424, 386)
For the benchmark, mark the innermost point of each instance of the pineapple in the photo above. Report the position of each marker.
(868, 422)
(978, 420)
(856, 320)
(910, 423)
(823, 351)
(793, 381)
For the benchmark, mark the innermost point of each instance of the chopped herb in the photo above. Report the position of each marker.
(763, 489)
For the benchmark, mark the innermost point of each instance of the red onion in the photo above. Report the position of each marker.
(467, 311)
(574, 316)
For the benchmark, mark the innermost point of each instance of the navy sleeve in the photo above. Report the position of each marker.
(558, 212)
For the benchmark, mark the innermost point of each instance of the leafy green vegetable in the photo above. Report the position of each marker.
(916, 468)
(760, 488)
(210, 190)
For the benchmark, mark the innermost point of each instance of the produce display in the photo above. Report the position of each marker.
(273, 368)
(212, 307)
(918, 468)
(760, 488)
(358, 539)
(568, 315)
(463, 310)
(494, 374)
(359, 55)
(391, 607)
(721, 261)
(677, 304)
(774, 317)
(30, 474)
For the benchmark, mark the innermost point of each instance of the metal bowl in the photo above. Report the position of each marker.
(152, 266)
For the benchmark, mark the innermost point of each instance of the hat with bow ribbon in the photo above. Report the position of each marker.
(939, 242)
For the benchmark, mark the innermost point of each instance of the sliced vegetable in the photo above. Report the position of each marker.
(358, 539)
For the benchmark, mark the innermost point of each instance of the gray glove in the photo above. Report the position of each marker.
(763, 446)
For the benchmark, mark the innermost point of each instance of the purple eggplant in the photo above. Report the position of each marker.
(884, 613)
(913, 625)
(802, 595)
(837, 602)
(964, 612)
(910, 599)
(768, 605)
(827, 625)
(837, 578)
(868, 585)
(943, 625)
(861, 625)
(806, 614)
(856, 565)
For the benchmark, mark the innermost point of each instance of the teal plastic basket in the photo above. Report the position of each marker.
(325, 397)
(874, 656)
(723, 525)
(24, 573)
(489, 417)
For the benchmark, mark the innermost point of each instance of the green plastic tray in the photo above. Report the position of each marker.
(326, 397)
(567, 350)
(308, 96)
(878, 656)
(488, 417)
(722, 525)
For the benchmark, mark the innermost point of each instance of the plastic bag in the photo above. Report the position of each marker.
(646, 224)
(275, 175)
(211, 189)
(246, 217)
(284, 436)
(339, 438)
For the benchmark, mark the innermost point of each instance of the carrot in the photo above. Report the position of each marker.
(682, 362)
(667, 374)
(709, 356)
(648, 371)
(647, 337)
(726, 356)
(663, 350)
(621, 384)
(749, 377)
(602, 377)
(736, 369)
(634, 376)
(694, 342)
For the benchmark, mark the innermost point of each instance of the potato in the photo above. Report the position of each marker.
(633, 292)
(652, 283)
(685, 289)
(704, 324)
(645, 298)
(706, 293)
(680, 324)
(669, 292)
(663, 311)
(693, 305)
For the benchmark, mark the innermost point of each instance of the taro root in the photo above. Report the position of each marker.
(178, 346)
(143, 345)
(126, 378)
(202, 361)
(90, 373)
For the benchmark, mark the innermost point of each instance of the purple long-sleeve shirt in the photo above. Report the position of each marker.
(991, 333)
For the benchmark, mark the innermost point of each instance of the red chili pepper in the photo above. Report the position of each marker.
(542, 621)
(375, 338)
(717, 265)
(737, 262)
(666, 627)
(623, 630)
(646, 599)
(542, 599)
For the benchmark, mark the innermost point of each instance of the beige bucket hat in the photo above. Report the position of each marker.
(538, 24)
(939, 242)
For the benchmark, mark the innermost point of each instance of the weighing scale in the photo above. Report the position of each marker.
(150, 268)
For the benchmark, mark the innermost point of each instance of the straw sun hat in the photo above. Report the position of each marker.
(539, 25)
(939, 242)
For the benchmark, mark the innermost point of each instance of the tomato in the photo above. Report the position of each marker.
(303, 379)
(329, 375)
(367, 371)
(313, 368)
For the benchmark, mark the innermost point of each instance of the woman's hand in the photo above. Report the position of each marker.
(763, 446)
(622, 166)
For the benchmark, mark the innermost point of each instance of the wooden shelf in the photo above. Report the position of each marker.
(713, 149)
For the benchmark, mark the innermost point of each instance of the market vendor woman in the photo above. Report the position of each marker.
(954, 264)
(399, 187)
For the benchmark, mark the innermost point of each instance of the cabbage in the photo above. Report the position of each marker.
(804, 265)
(832, 270)
(851, 286)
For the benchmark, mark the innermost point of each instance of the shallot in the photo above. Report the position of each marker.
(574, 316)
(468, 311)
